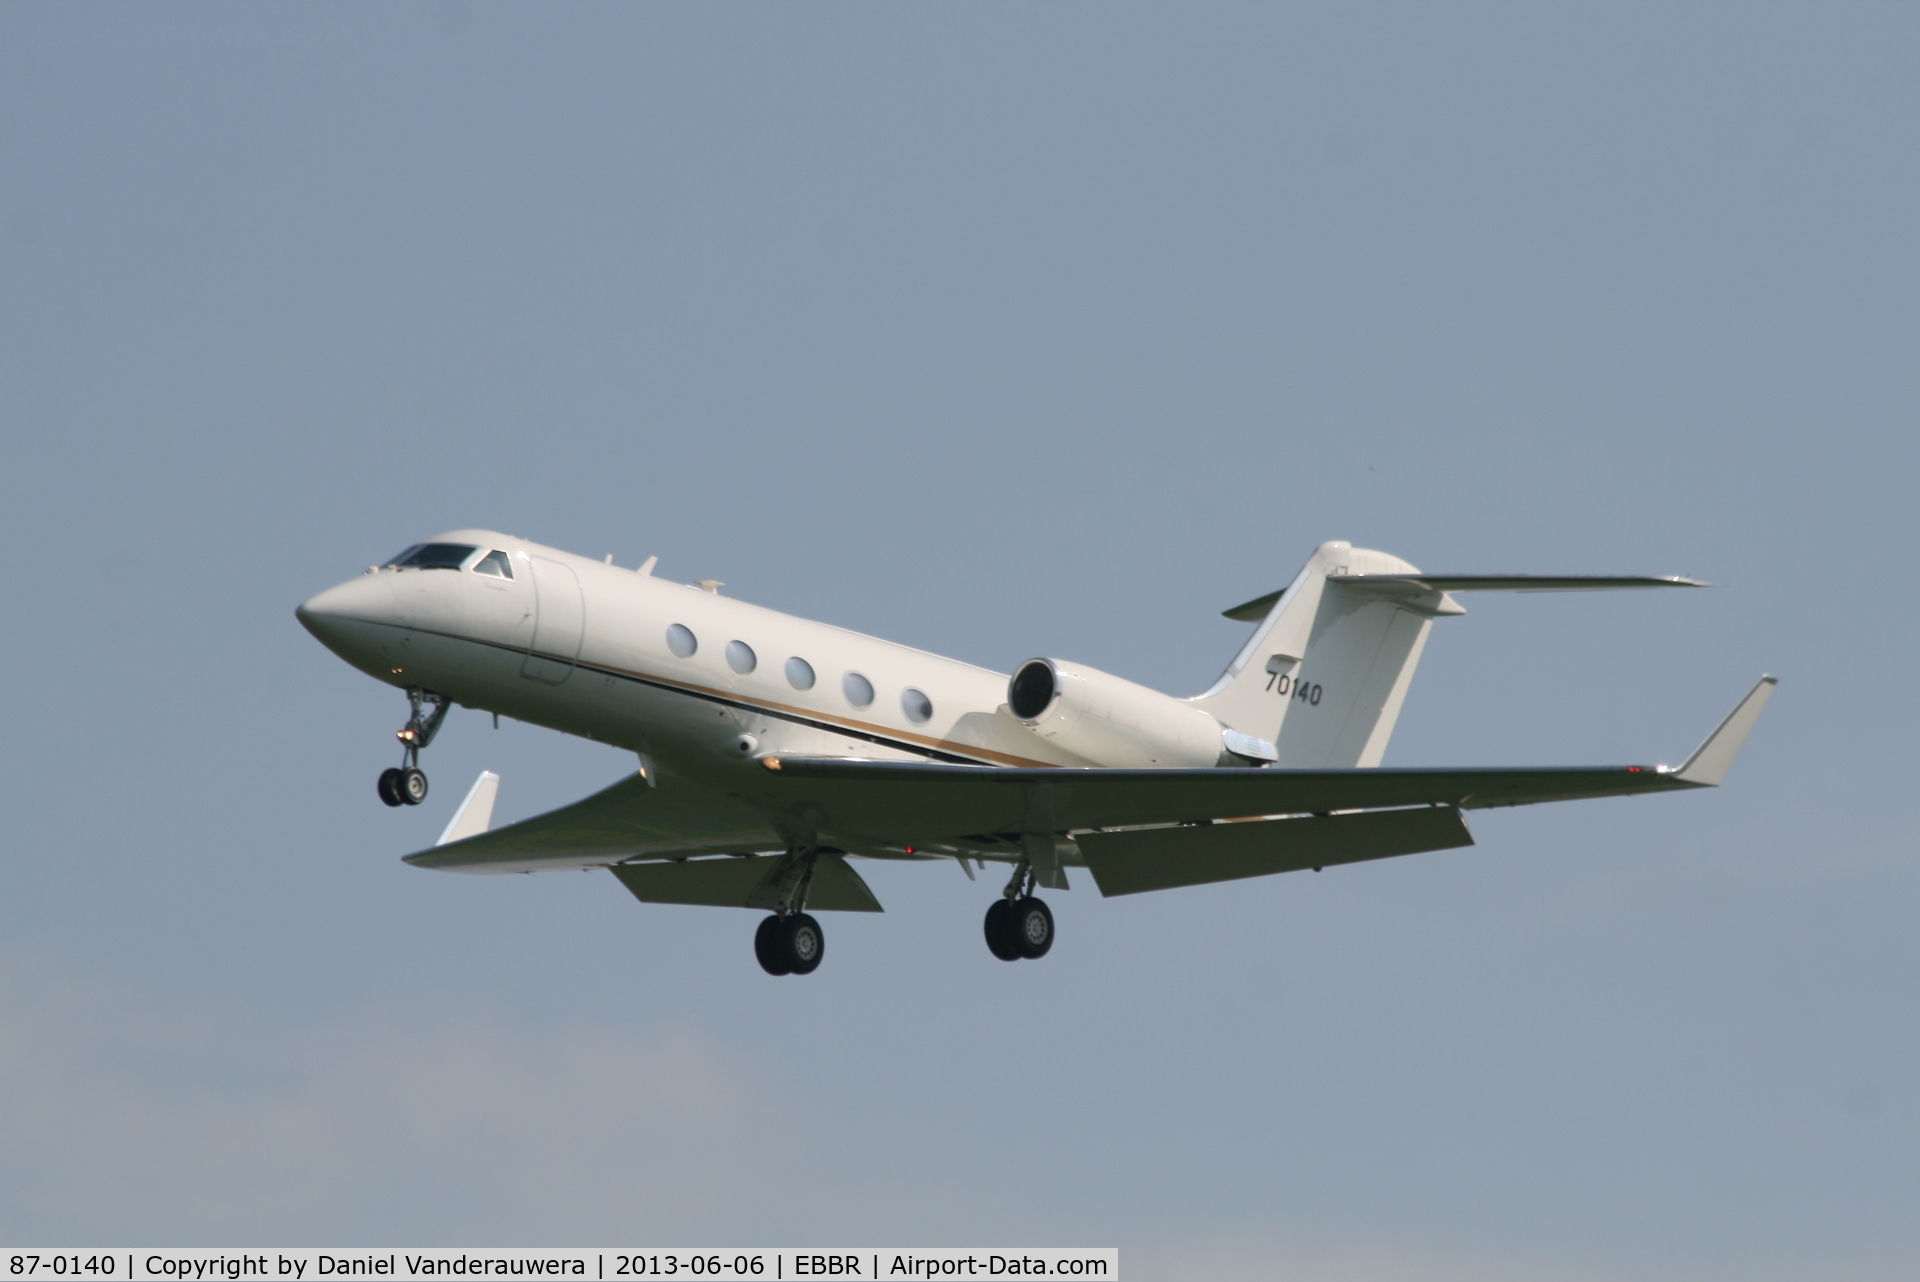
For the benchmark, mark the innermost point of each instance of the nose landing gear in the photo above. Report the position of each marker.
(1019, 925)
(406, 784)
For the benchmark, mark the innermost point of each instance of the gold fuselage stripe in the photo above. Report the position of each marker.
(785, 711)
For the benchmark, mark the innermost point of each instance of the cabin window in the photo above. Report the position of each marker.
(858, 689)
(681, 641)
(434, 556)
(916, 705)
(799, 673)
(496, 564)
(740, 657)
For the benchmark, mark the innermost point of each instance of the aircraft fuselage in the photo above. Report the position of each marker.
(772, 748)
(591, 649)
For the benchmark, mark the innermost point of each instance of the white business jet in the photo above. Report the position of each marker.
(771, 748)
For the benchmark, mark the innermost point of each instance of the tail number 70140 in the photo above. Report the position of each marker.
(1283, 684)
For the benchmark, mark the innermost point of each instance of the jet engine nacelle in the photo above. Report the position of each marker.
(1108, 721)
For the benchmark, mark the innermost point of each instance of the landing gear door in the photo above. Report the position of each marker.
(559, 622)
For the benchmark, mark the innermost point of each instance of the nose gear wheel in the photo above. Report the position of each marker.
(406, 784)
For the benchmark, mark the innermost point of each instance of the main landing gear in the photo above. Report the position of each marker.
(1019, 925)
(789, 945)
(406, 784)
(790, 942)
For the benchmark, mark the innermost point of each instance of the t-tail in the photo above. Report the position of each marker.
(1321, 681)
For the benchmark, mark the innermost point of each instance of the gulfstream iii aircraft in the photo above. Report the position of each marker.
(771, 749)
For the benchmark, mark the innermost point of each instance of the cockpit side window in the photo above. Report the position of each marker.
(496, 564)
(434, 556)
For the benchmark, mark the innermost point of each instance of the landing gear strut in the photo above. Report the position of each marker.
(791, 942)
(406, 784)
(1019, 925)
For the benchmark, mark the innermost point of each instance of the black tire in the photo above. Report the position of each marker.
(1032, 927)
(412, 785)
(803, 942)
(390, 786)
(769, 949)
(1000, 931)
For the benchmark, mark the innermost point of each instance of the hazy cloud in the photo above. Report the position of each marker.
(129, 1121)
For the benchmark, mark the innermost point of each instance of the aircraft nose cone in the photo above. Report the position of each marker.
(338, 614)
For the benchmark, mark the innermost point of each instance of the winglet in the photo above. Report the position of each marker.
(476, 812)
(1713, 758)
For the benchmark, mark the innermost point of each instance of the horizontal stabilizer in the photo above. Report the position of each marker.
(731, 882)
(1126, 863)
(476, 812)
(1714, 757)
(1415, 584)
(1255, 610)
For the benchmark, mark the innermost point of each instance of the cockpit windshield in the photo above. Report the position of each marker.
(433, 556)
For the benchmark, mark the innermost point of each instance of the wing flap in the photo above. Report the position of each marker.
(1126, 863)
(733, 883)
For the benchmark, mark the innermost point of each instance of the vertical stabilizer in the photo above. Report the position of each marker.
(1324, 674)
(1348, 690)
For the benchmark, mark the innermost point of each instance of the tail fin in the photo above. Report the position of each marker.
(1325, 673)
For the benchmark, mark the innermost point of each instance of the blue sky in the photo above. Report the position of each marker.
(1000, 331)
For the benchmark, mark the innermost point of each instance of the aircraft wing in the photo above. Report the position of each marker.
(1137, 829)
(908, 801)
(633, 819)
(916, 801)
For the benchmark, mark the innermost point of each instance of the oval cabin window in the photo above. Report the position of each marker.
(916, 705)
(799, 673)
(740, 657)
(858, 689)
(681, 641)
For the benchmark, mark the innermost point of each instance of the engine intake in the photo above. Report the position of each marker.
(1108, 721)
(1033, 689)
